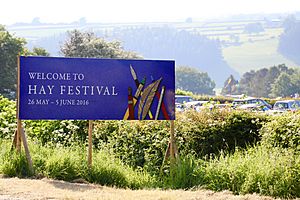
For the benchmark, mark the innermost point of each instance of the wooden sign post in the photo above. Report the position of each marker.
(90, 148)
(172, 151)
(20, 133)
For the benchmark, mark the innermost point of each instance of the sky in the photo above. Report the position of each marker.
(115, 11)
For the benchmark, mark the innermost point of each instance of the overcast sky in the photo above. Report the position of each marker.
(54, 11)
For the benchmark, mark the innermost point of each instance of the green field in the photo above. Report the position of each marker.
(255, 55)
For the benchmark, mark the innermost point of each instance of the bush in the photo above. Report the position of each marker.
(57, 132)
(283, 131)
(207, 133)
(8, 123)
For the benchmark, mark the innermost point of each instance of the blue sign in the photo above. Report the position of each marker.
(96, 89)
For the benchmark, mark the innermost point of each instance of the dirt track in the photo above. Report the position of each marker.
(19, 189)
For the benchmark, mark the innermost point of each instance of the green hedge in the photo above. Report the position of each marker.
(143, 143)
(8, 122)
(283, 131)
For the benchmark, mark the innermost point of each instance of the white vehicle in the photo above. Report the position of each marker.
(183, 99)
(251, 102)
(194, 105)
(287, 105)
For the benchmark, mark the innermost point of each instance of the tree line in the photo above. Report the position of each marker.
(276, 81)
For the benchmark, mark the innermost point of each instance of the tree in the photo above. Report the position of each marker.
(10, 47)
(259, 83)
(88, 45)
(38, 51)
(191, 79)
(283, 86)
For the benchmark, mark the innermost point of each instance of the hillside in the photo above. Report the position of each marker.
(219, 47)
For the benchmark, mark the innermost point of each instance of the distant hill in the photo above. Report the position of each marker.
(219, 47)
(185, 48)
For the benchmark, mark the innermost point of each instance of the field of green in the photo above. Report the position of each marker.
(243, 51)
(254, 54)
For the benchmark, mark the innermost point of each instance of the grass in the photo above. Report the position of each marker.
(263, 170)
(260, 169)
(70, 164)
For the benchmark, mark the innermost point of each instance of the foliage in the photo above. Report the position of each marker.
(37, 51)
(283, 131)
(143, 143)
(15, 164)
(263, 170)
(70, 164)
(187, 172)
(7, 118)
(60, 133)
(209, 132)
(193, 80)
(219, 150)
(10, 47)
(88, 45)
(286, 85)
(282, 86)
(266, 82)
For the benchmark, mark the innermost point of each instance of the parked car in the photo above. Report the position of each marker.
(195, 105)
(183, 99)
(251, 103)
(287, 105)
(238, 102)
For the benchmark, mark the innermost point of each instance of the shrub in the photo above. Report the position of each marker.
(283, 131)
(58, 132)
(8, 122)
(207, 133)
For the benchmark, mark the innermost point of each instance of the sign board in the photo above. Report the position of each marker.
(96, 89)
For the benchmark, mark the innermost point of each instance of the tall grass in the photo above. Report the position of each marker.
(70, 164)
(269, 171)
(260, 169)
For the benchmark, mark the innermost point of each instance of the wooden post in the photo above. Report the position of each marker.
(90, 150)
(27, 153)
(19, 124)
(171, 151)
(20, 133)
(172, 142)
